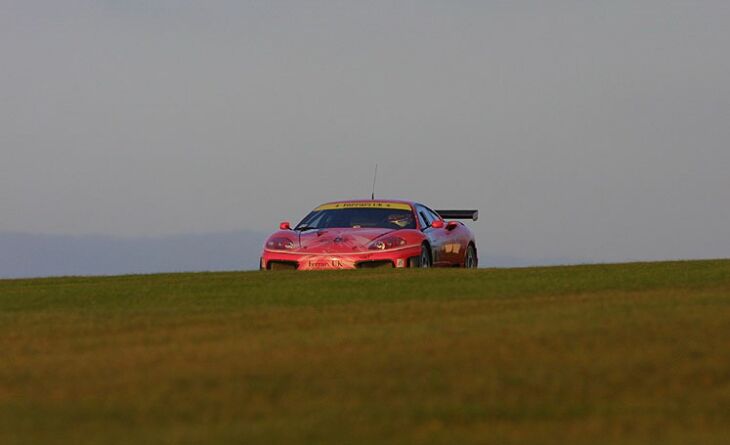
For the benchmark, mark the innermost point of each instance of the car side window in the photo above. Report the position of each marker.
(423, 217)
(434, 216)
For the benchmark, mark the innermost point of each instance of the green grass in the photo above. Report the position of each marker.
(620, 354)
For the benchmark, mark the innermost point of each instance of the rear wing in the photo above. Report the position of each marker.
(459, 214)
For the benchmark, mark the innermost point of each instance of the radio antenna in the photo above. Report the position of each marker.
(375, 177)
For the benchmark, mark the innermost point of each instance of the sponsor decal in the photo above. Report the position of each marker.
(452, 248)
(324, 262)
(320, 264)
(365, 205)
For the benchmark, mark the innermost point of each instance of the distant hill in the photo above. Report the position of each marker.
(26, 255)
(31, 255)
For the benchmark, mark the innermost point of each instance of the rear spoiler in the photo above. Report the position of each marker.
(459, 214)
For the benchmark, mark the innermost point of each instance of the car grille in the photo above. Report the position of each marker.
(282, 265)
(375, 264)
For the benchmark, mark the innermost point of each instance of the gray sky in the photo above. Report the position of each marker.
(589, 130)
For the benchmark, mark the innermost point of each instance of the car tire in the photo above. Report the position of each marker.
(470, 257)
(424, 260)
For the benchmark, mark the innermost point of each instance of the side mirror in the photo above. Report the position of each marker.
(285, 225)
(438, 224)
(451, 225)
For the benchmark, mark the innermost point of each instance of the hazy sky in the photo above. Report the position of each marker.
(582, 129)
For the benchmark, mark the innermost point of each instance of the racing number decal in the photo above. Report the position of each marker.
(454, 248)
(444, 251)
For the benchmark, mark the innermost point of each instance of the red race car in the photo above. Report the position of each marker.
(367, 234)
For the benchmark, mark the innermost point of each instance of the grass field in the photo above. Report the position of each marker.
(619, 354)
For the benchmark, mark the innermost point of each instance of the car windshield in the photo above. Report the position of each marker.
(386, 218)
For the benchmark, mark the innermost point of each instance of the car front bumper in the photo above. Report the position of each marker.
(398, 258)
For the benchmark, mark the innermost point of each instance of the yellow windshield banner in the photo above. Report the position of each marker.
(364, 205)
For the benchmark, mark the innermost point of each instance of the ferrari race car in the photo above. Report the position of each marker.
(369, 234)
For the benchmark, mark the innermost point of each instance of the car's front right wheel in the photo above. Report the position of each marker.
(422, 260)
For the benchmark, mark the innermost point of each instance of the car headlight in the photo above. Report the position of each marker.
(388, 243)
(280, 243)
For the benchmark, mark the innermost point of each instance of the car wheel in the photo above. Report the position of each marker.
(470, 260)
(425, 258)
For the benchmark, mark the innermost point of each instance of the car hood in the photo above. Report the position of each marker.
(339, 240)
